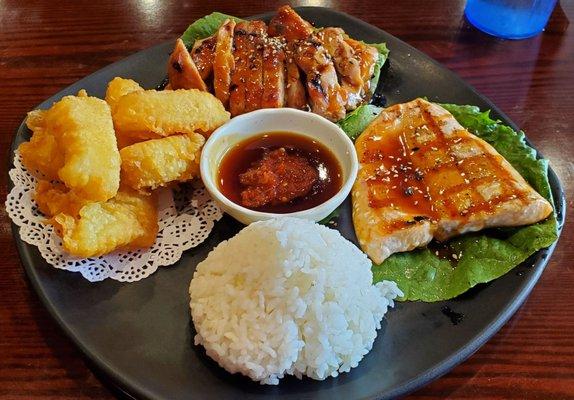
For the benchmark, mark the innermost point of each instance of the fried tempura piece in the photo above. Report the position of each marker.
(41, 155)
(125, 140)
(55, 198)
(169, 112)
(156, 163)
(119, 87)
(127, 221)
(74, 141)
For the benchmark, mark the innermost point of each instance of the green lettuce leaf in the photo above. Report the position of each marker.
(332, 216)
(353, 124)
(486, 255)
(357, 121)
(383, 56)
(205, 27)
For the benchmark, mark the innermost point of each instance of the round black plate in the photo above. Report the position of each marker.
(140, 334)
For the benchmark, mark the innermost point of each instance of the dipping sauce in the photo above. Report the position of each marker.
(279, 172)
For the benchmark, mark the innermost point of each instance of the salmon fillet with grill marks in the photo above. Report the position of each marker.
(424, 176)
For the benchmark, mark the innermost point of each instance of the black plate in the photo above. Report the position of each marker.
(141, 337)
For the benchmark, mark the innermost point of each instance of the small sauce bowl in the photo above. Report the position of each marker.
(268, 121)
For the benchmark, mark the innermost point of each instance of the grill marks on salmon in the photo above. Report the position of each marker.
(424, 176)
(250, 66)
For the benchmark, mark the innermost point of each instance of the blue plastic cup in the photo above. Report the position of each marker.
(510, 19)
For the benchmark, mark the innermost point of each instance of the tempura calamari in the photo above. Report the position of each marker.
(74, 141)
(154, 163)
(127, 221)
(169, 112)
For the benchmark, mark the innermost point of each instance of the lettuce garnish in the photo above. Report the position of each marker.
(205, 27)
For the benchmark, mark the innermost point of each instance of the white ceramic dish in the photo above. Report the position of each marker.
(270, 120)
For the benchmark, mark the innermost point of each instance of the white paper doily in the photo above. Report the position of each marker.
(186, 217)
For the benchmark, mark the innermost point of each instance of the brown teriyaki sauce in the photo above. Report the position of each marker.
(246, 154)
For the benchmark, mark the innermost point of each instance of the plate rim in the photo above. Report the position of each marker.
(131, 388)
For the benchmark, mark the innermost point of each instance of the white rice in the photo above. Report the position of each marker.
(287, 296)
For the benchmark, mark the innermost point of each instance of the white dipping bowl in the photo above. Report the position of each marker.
(258, 122)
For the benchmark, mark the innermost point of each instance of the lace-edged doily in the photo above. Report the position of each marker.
(186, 217)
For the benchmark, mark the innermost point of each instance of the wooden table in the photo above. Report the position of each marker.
(45, 46)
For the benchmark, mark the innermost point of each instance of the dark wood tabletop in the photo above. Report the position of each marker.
(47, 45)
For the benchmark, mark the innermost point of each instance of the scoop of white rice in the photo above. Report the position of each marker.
(287, 296)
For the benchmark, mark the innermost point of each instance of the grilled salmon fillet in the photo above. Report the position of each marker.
(423, 176)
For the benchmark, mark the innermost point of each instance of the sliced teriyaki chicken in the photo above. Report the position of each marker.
(273, 73)
(423, 176)
(326, 96)
(249, 66)
(343, 54)
(346, 63)
(182, 71)
(368, 57)
(223, 63)
(247, 77)
(203, 54)
(289, 24)
(295, 96)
